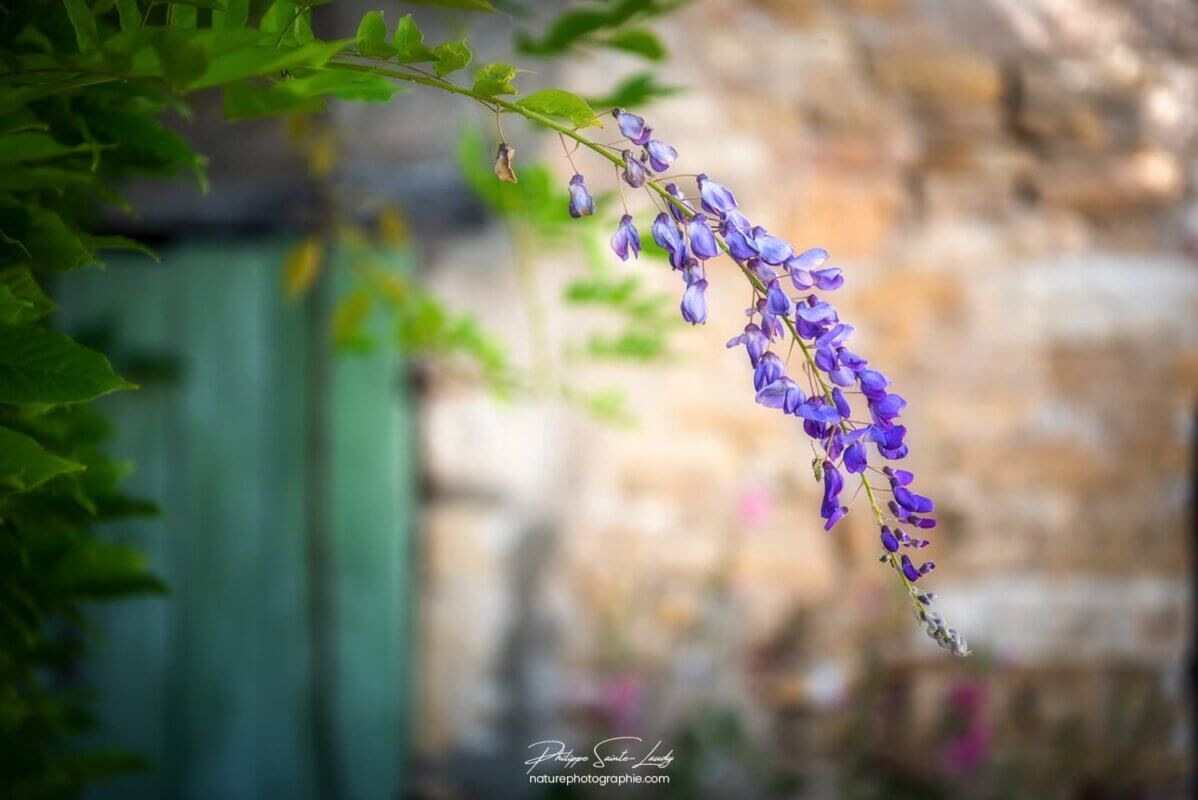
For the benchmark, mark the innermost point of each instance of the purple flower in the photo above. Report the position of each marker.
(702, 239)
(769, 369)
(809, 259)
(827, 279)
(626, 239)
(692, 270)
(632, 126)
(668, 238)
(818, 312)
(889, 541)
(887, 407)
(634, 171)
(911, 501)
(740, 244)
(773, 250)
(754, 341)
(816, 410)
(873, 383)
(836, 516)
(855, 460)
(673, 191)
(661, 155)
(581, 202)
(843, 408)
(694, 303)
(909, 570)
(716, 198)
(777, 303)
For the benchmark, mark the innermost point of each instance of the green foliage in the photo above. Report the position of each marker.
(460, 5)
(451, 57)
(561, 104)
(495, 79)
(372, 36)
(409, 43)
(603, 24)
(636, 90)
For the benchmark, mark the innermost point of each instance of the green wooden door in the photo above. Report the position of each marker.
(257, 446)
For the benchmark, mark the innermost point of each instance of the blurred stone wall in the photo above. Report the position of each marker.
(1009, 187)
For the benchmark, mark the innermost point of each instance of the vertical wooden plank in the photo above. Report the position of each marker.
(219, 520)
(372, 508)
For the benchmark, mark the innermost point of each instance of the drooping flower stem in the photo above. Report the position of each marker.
(753, 249)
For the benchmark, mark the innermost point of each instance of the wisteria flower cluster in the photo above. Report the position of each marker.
(788, 309)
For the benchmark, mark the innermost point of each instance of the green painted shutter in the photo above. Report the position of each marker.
(213, 683)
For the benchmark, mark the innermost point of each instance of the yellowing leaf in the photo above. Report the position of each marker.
(302, 266)
(393, 228)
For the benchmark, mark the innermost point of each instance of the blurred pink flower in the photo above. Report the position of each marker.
(755, 506)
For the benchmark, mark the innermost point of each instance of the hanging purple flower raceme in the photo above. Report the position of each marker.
(855, 441)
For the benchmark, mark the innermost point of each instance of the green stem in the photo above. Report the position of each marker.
(565, 130)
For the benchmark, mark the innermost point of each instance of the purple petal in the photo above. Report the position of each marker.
(694, 303)
(769, 369)
(740, 245)
(855, 460)
(634, 173)
(716, 199)
(581, 202)
(843, 408)
(828, 279)
(626, 239)
(777, 303)
(909, 570)
(702, 239)
(631, 126)
(889, 541)
(809, 259)
(834, 517)
(661, 155)
(773, 250)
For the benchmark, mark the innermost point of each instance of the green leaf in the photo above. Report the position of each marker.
(451, 57)
(84, 24)
(129, 13)
(460, 5)
(40, 237)
(232, 18)
(371, 40)
(25, 301)
(637, 40)
(247, 100)
(25, 465)
(44, 366)
(636, 90)
(495, 79)
(562, 104)
(121, 243)
(27, 146)
(227, 67)
(409, 42)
